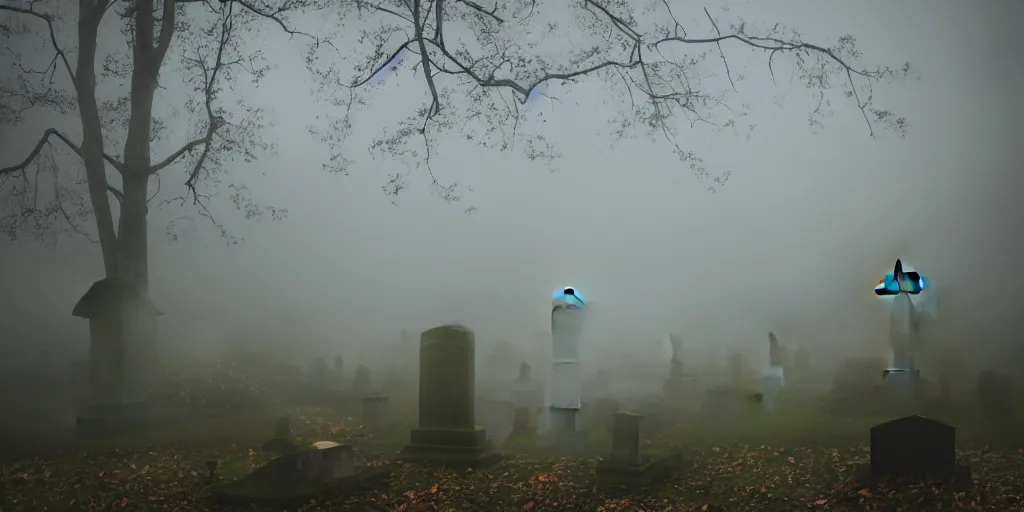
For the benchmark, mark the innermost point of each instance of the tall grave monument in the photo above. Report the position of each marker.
(567, 313)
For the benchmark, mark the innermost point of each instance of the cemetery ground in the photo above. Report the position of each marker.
(788, 460)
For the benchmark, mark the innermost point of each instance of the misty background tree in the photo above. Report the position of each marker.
(479, 67)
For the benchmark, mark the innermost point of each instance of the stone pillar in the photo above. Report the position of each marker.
(626, 438)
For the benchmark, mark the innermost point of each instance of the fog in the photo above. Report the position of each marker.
(793, 242)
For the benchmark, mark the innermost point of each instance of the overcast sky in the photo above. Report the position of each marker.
(794, 241)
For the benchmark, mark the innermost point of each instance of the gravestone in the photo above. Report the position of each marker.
(913, 448)
(337, 379)
(446, 433)
(497, 417)
(123, 358)
(295, 478)
(681, 390)
(528, 396)
(374, 409)
(361, 383)
(626, 467)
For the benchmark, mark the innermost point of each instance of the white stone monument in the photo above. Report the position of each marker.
(773, 378)
(567, 313)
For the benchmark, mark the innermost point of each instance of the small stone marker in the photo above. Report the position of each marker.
(447, 434)
(626, 468)
(374, 408)
(914, 447)
(293, 479)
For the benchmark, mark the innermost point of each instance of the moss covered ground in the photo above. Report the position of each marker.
(785, 461)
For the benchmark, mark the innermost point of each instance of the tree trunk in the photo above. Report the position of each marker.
(92, 133)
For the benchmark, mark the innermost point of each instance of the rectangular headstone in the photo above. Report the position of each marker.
(447, 378)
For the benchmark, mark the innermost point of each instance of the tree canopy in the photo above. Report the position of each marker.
(478, 65)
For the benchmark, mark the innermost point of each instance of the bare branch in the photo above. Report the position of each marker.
(48, 19)
(43, 141)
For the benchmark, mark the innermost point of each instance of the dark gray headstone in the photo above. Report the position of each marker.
(914, 447)
(446, 433)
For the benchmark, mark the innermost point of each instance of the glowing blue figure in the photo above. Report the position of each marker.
(567, 311)
(535, 94)
(389, 69)
(568, 297)
(900, 285)
(899, 281)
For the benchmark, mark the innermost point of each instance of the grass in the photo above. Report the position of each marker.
(790, 460)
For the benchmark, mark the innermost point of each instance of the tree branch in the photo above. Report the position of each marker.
(49, 19)
(43, 141)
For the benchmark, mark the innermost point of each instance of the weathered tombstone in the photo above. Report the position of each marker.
(361, 383)
(497, 417)
(528, 397)
(294, 478)
(337, 380)
(626, 467)
(916, 448)
(123, 359)
(374, 409)
(446, 432)
(525, 372)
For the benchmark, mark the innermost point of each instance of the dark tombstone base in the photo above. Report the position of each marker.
(960, 477)
(450, 447)
(104, 420)
(612, 475)
(292, 480)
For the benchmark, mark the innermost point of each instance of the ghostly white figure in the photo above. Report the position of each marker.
(902, 286)
(567, 312)
(773, 379)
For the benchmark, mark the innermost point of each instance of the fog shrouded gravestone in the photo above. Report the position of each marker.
(680, 389)
(446, 433)
(374, 410)
(773, 379)
(626, 467)
(528, 397)
(337, 379)
(122, 357)
(914, 448)
(361, 382)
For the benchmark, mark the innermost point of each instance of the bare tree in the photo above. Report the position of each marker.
(114, 159)
(479, 64)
